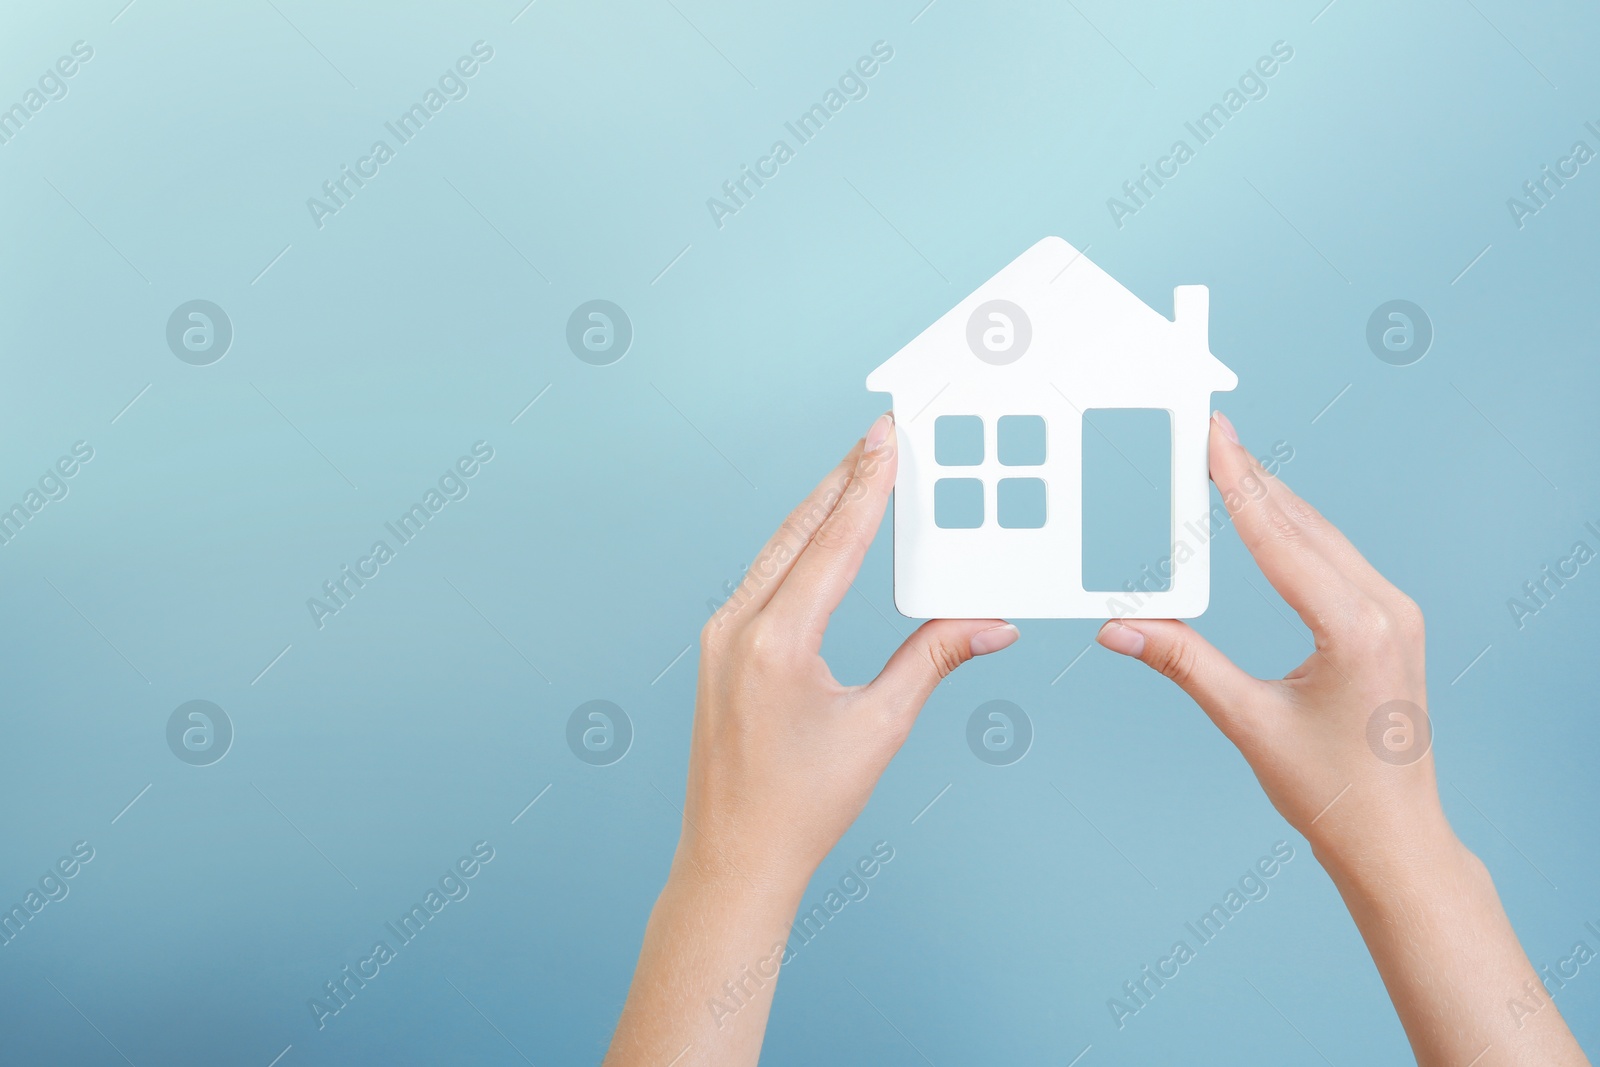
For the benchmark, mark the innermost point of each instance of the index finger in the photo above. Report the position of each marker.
(1329, 539)
(825, 569)
(777, 558)
(1283, 534)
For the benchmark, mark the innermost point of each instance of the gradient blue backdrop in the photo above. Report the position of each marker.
(370, 353)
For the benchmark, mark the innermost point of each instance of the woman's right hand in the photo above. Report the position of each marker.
(1341, 743)
(1343, 748)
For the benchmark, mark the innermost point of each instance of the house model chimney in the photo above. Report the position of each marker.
(1191, 310)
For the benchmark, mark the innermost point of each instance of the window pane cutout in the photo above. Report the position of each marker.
(958, 503)
(1021, 504)
(958, 441)
(1022, 440)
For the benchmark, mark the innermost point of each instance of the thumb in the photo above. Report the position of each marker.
(929, 655)
(1223, 691)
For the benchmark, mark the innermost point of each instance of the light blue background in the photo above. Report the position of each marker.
(415, 323)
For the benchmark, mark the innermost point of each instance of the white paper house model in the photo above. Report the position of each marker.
(1048, 338)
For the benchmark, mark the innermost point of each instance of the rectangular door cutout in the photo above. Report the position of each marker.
(1127, 499)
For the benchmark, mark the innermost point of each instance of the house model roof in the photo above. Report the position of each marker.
(1090, 339)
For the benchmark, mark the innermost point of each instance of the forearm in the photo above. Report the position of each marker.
(706, 976)
(1452, 964)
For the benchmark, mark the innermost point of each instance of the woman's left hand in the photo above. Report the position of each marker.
(782, 761)
(784, 757)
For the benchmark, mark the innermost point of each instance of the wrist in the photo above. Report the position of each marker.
(1395, 856)
(716, 880)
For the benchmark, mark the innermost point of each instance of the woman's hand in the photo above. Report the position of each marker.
(782, 761)
(1308, 735)
(1343, 748)
(784, 757)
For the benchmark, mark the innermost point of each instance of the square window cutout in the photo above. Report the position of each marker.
(958, 441)
(1021, 503)
(958, 503)
(1021, 440)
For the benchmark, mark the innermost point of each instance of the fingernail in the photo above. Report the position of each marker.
(879, 432)
(993, 640)
(1121, 639)
(1226, 426)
